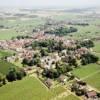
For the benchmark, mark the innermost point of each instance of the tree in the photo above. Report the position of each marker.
(14, 75)
(31, 62)
(23, 72)
(11, 76)
(2, 80)
(88, 58)
(25, 61)
(52, 73)
(79, 92)
(19, 75)
(43, 52)
(87, 43)
(98, 94)
(63, 68)
(62, 31)
(72, 61)
(36, 55)
(37, 61)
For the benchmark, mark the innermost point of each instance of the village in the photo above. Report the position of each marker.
(40, 66)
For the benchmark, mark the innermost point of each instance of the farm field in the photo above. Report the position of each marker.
(90, 74)
(94, 80)
(23, 26)
(28, 89)
(8, 34)
(87, 70)
(97, 47)
(4, 53)
(18, 27)
(90, 31)
(4, 66)
(20, 23)
(65, 16)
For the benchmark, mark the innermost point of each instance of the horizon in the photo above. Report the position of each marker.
(49, 4)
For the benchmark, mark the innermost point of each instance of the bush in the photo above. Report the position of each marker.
(79, 92)
(88, 58)
(11, 76)
(2, 80)
(87, 43)
(52, 73)
(62, 31)
(14, 75)
(19, 75)
(98, 94)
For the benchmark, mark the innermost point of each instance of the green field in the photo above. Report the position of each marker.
(90, 31)
(4, 53)
(8, 34)
(18, 27)
(90, 74)
(4, 66)
(97, 47)
(28, 89)
(65, 16)
(94, 80)
(25, 26)
(84, 71)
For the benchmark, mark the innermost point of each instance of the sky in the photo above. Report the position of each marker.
(49, 3)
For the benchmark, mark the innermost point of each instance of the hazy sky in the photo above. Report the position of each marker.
(49, 3)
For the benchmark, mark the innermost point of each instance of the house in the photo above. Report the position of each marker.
(48, 62)
(91, 95)
(49, 82)
(62, 78)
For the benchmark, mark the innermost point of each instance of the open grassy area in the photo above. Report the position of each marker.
(90, 74)
(4, 66)
(4, 53)
(97, 47)
(65, 16)
(8, 34)
(84, 71)
(28, 89)
(94, 80)
(18, 27)
(90, 31)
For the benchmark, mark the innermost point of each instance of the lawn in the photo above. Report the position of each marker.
(4, 66)
(84, 71)
(28, 89)
(94, 80)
